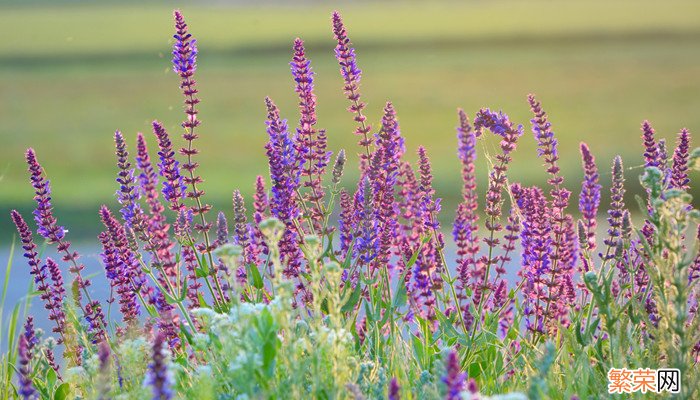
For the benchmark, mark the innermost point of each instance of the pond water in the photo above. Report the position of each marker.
(20, 280)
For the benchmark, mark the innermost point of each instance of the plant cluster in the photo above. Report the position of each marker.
(285, 303)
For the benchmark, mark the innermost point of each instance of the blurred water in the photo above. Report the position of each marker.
(20, 280)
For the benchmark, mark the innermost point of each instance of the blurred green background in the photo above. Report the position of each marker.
(70, 74)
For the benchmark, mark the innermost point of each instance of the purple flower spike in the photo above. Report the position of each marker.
(617, 206)
(536, 260)
(345, 55)
(394, 390)
(284, 161)
(651, 148)
(184, 49)
(26, 387)
(58, 293)
(383, 172)
(127, 194)
(173, 185)
(366, 246)
(121, 266)
(240, 226)
(454, 378)
(679, 171)
(542, 129)
(43, 215)
(310, 144)
(185, 64)
(159, 378)
(589, 200)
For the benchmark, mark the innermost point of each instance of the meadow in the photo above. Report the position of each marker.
(73, 73)
(277, 259)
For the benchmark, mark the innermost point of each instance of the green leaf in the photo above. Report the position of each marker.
(62, 392)
(352, 301)
(254, 272)
(400, 295)
(51, 379)
(201, 273)
(202, 302)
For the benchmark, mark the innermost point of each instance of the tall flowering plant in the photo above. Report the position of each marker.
(284, 303)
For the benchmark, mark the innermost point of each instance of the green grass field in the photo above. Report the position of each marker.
(70, 75)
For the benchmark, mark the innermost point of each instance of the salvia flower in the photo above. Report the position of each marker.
(26, 387)
(159, 377)
(339, 166)
(589, 200)
(310, 144)
(546, 143)
(366, 246)
(155, 233)
(173, 184)
(52, 297)
(454, 378)
(240, 226)
(121, 266)
(536, 262)
(345, 54)
(43, 214)
(185, 64)
(284, 161)
(128, 194)
(394, 390)
(679, 170)
(651, 149)
(617, 205)
(384, 171)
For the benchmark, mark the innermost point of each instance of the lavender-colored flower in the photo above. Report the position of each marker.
(394, 390)
(51, 361)
(52, 302)
(184, 49)
(49, 229)
(155, 233)
(310, 144)
(43, 215)
(536, 259)
(96, 321)
(240, 227)
(430, 209)
(346, 222)
(472, 387)
(193, 283)
(589, 200)
(338, 167)
(345, 55)
(454, 378)
(366, 244)
(159, 377)
(173, 185)
(30, 334)
(26, 387)
(384, 171)
(128, 194)
(651, 149)
(58, 293)
(221, 228)
(121, 267)
(499, 124)
(185, 64)
(283, 160)
(617, 206)
(547, 144)
(679, 171)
